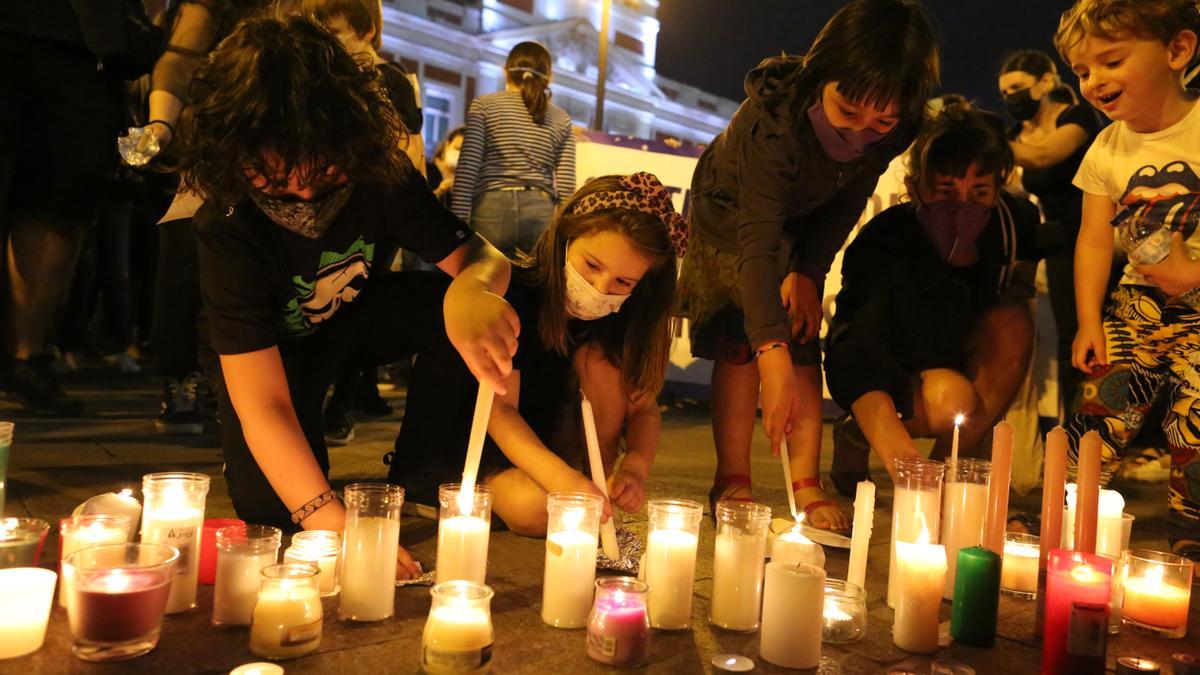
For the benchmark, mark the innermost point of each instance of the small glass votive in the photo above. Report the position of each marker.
(1019, 571)
(1158, 589)
(243, 551)
(321, 548)
(458, 633)
(619, 626)
(288, 616)
(463, 534)
(21, 541)
(942, 667)
(845, 612)
(78, 532)
(116, 597)
(26, 594)
(208, 547)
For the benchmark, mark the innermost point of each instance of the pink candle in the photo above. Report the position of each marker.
(208, 547)
(123, 604)
(1054, 484)
(619, 628)
(997, 513)
(1078, 590)
(1088, 500)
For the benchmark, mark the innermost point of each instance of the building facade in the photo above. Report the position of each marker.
(457, 49)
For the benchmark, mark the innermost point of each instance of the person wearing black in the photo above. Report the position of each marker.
(299, 158)
(932, 319)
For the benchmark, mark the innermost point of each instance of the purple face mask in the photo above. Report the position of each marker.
(842, 145)
(953, 228)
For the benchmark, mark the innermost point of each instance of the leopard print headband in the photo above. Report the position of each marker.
(642, 192)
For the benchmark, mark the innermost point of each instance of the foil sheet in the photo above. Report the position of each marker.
(423, 579)
(630, 547)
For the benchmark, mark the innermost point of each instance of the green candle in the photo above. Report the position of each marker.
(976, 597)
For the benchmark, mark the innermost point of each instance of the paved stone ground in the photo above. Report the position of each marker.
(58, 463)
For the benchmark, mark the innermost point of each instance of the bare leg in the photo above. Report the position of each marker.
(944, 394)
(735, 411)
(804, 451)
(1000, 347)
(519, 501)
(41, 258)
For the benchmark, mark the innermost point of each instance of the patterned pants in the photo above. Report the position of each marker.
(1153, 348)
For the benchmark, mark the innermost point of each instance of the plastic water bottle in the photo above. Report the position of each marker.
(138, 147)
(1146, 241)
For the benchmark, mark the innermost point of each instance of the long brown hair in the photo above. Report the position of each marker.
(636, 339)
(528, 67)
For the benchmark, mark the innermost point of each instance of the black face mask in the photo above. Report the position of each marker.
(1021, 105)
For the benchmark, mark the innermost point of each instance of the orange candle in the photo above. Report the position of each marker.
(1088, 500)
(1054, 481)
(997, 513)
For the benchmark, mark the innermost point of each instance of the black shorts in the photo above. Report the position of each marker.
(59, 120)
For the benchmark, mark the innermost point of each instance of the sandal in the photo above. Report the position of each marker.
(1151, 465)
(723, 487)
(851, 454)
(816, 503)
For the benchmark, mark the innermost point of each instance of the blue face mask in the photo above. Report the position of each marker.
(842, 145)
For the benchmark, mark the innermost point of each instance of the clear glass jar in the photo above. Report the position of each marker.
(288, 617)
(570, 572)
(619, 625)
(916, 506)
(173, 515)
(964, 510)
(78, 532)
(463, 534)
(739, 551)
(1158, 591)
(1019, 571)
(322, 548)
(458, 633)
(369, 549)
(669, 565)
(845, 612)
(243, 551)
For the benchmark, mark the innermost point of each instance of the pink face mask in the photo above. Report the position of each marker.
(954, 228)
(842, 145)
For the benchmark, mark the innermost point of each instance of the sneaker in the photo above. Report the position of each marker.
(339, 426)
(182, 408)
(851, 453)
(33, 384)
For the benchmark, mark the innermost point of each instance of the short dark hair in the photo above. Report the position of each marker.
(286, 87)
(1033, 61)
(953, 139)
(363, 16)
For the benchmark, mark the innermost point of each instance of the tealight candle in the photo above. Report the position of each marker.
(964, 507)
(321, 548)
(1019, 573)
(845, 613)
(463, 536)
(618, 627)
(1158, 590)
(916, 506)
(173, 516)
(243, 551)
(741, 545)
(26, 594)
(369, 550)
(922, 576)
(1133, 665)
(1078, 590)
(79, 532)
(792, 596)
(669, 565)
(21, 541)
(458, 634)
(288, 617)
(570, 573)
(208, 548)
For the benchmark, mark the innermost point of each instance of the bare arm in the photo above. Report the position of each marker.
(480, 324)
(1093, 260)
(1056, 147)
(191, 36)
(876, 415)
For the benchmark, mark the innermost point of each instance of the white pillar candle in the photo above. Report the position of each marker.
(1019, 571)
(1113, 525)
(369, 569)
(321, 548)
(963, 514)
(462, 549)
(569, 578)
(792, 547)
(288, 617)
(793, 602)
(741, 546)
(910, 510)
(860, 539)
(26, 594)
(79, 532)
(922, 575)
(243, 551)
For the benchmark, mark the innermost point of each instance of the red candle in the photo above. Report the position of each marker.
(1053, 492)
(1088, 500)
(208, 547)
(121, 605)
(1078, 589)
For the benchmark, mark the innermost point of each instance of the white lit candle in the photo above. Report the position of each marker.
(964, 511)
(458, 633)
(79, 532)
(670, 563)
(1019, 572)
(738, 579)
(121, 503)
(912, 510)
(26, 594)
(321, 548)
(369, 569)
(243, 551)
(570, 572)
(174, 516)
(792, 547)
(860, 539)
(922, 576)
(462, 549)
(288, 617)
(793, 602)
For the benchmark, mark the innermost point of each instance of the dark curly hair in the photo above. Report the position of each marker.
(286, 87)
(954, 138)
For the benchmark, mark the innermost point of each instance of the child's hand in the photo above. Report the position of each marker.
(1088, 350)
(800, 299)
(483, 327)
(628, 486)
(406, 567)
(1175, 274)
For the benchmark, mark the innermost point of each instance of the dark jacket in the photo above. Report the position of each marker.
(766, 179)
(903, 310)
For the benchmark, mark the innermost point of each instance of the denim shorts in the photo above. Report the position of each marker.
(512, 219)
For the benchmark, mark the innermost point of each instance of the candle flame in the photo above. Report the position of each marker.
(674, 522)
(833, 611)
(959, 419)
(126, 492)
(1084, 574)
(466, 502)
(572, 519)
(1153, 576)
(116, 581)
(923, 536)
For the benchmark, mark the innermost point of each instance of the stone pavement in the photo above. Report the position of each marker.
(58, 463)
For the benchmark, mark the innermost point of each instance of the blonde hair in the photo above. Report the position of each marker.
(1160, 20)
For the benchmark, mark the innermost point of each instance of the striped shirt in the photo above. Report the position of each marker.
(503, 147)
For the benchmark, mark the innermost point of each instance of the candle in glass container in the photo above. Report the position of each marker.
(844, 617)
(1158, 590)
(922, 576)
(243, 551)
(669, 565)
(463, 535)
(570, 573)
(79, 532)
(21, 541)
(288, 617)
(208, 548)
(964, 508)
(792, 547)
(1019, 573)
(916, 505)
(793, 595)
(6, 436)
(26, 594)
(1075, 633)
(618, 626)
(741, 545)
(458, 634)
(369, 548)
(322, 548)
(173, 516)
(121, 503)
(1113, 525)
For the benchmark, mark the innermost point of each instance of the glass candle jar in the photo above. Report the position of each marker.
(369, 551)
(26, 594)
(243, 551)
(1075, 632)
(669, 565)
(173, 516)
(1158, 589)
(288, 616)
(570, 573)
(321, 548)
(916, 506)
(619, 625)
(79, 532)
(458, 633)
(845, 613)
(116, 596)
(21, 541)
(741, 546)
(1019, 573)
(463, 534)
(964, 511)
(208, 547)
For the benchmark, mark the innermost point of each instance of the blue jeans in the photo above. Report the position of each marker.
(512, 219)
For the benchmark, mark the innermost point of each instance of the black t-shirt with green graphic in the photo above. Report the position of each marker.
(263, 284)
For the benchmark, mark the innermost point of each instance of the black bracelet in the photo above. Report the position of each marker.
(312, 506)
(170, 127)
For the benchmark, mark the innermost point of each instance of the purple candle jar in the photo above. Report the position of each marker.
(618, 627)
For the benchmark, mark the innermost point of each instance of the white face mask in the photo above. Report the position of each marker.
(450, 158)
(584, 301)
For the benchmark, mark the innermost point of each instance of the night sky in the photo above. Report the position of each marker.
(712, 43)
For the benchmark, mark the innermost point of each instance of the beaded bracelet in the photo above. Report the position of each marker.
(312, 506)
